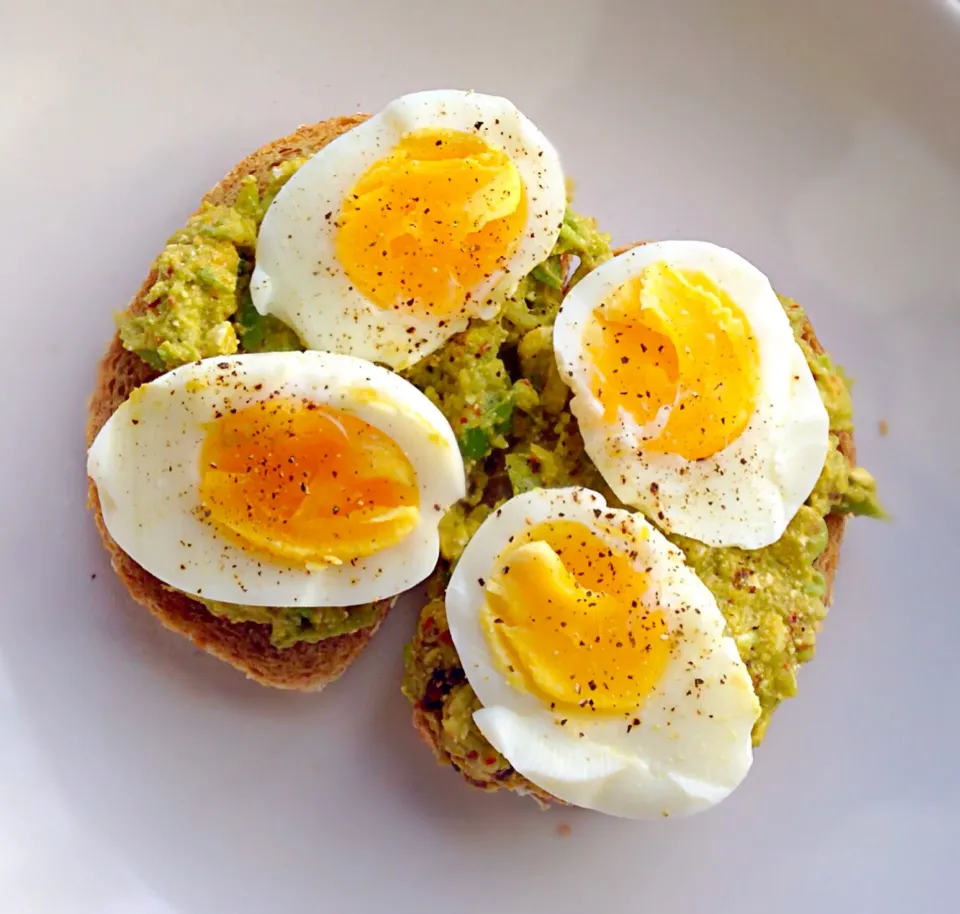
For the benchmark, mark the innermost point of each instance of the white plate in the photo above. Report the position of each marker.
(820, 139)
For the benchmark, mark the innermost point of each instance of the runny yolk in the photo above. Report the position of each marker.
(564, 615)
(431, 221)
(306, 484)
(673, 338)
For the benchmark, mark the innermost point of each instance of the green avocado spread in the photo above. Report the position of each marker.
(498, 385)
(289, 624)
(202, 280)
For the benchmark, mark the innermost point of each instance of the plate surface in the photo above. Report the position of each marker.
(819, 139)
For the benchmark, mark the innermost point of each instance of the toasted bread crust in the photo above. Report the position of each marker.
(245, 645)
(826, 563)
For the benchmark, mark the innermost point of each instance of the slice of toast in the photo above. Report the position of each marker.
(245, 645)
(425, 723)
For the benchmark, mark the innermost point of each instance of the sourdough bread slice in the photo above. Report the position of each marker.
(429, 728)
(244, 645)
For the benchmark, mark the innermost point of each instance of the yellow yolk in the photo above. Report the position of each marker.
(431, 221)
(565, 617)
(306, 483)
(674, 338)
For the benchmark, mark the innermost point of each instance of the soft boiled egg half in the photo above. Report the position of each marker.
(389, 239)
(600, 658)
(693, 397)
(278, 479)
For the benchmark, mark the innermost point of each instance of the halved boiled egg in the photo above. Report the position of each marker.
(692, 395)
(600, 658)
(279, 479)
(395, 234)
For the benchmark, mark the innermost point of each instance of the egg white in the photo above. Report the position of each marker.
(145, 463)
(692, 746)
(745, 494)
(298, 277)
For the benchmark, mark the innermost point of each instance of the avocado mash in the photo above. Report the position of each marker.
(202, 278)
(290, 624)
(498, 385)
(772, 598)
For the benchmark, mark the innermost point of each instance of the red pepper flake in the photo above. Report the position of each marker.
(563, 830)
(489, 761)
